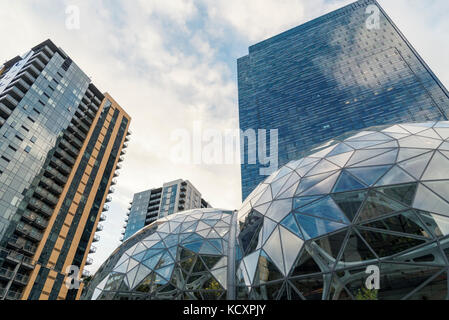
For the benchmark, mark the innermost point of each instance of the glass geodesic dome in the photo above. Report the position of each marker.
(378, 198)
(183, 256)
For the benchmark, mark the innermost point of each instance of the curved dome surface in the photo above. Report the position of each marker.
(371, 200)
(182, 256)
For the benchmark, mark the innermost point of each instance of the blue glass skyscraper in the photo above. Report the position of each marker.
(347, 70)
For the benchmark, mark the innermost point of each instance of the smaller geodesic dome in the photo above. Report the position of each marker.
(182, 256)
(373, 199)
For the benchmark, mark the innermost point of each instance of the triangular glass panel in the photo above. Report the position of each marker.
(323, 153)
(435, 290)
(419, 142)
(323, 187)
(166, 272)
(402, 193)
(430, 133)
(273, 248)
(302, 201)
(396, 129)
(346, 182)
(331, 244)
(444, 146)
(263, 208)
(438, 168)
(207, 248)
(350, 202)
(288, 193)
(251, 263)
(266, 270)
(362, 155)
(322, 167)
(279, 209)
(305, 264)
(406, 222)
(415, 167)
(340, 148)
(359, 135)
(268, 227)
(395, 176)
(369, 175)
(426, 200)
(384, 159)
(291, 246)
(307, 183)
(210, 261)
(438, 225)
(278, 184)
(375, 136)
(313, 227)
(412, 128)
(441, 188)
(302, 171)
(142, 273)
(387, 145)
(290, 223)
(385, 245)
(311, 288)
(378, 205)
(408, 153)
(363, 144)
(325, 208)
(443, 132)
(356, 250)
(342, 159)
(264, 198)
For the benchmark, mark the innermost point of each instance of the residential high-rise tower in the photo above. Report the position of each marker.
(61, 142)
(150, 205)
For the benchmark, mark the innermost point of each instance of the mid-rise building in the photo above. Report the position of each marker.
(150, 205)
(347, 70)
(61, 143)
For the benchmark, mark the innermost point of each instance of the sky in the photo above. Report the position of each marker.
(170, 63)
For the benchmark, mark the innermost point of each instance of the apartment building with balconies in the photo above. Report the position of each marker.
(61, 143)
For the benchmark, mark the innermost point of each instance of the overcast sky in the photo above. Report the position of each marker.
(171, 62)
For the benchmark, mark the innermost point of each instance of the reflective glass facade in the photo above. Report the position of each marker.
(61, 143)
(332, 75)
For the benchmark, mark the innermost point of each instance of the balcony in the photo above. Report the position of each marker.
(103, 217)
(28, 231)
(23, 245)
(121, 159)
(116, 174)
(6, 274)
(40, 207)
(125, 145)
(100, 228)
(60, 166)
(108, 199)
(96, 238)
(113, 182)
(16, 257)
(111, 190)
(89, 261)
(11, 295)
(105, 208)
(35, 219)
(45, 196)
(51, 186)
(123, 152)
(64, 156)
(119, 166)
(129, 133)
(21, 279)
(92, 249)
(57, 176)
(86, 273)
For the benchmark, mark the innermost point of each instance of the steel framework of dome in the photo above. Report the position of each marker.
(378, 198)
(183, 256)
